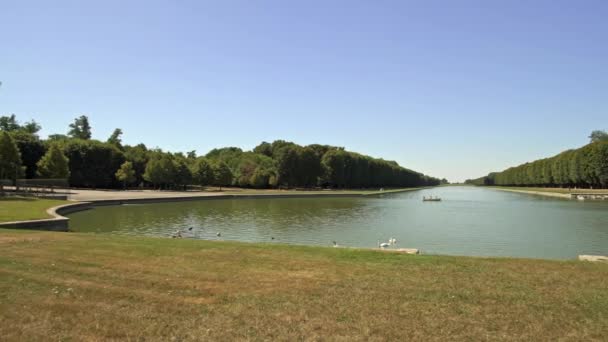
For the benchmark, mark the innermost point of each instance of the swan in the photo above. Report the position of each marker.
(382, 245)
(218, 234)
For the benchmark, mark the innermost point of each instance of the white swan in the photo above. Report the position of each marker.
(382, 245)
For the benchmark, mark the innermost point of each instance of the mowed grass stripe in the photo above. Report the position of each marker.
(94, 287)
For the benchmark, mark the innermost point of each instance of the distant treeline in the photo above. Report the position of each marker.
(583, 167)
(110, 164)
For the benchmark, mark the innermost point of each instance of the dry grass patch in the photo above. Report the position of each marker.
(92, 287)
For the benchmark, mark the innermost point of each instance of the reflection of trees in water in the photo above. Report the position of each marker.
(260, 214)
(283, 214)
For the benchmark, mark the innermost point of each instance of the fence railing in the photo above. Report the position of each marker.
(56, 188)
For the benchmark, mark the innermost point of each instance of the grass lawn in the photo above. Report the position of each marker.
(70, 286)
(22, 208)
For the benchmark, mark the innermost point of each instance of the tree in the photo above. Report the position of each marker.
(92, 163)
(597, 135)
(10, 158)
(138, 156)
(182, 175)
(10, 124)
(160, 171)
(31, 149)
(264, 148)
(191, 154)
(222, 176)
(80, 129)
(287, 164)
(114, 139)
(203, 173)
(54, 164)
(126, 174)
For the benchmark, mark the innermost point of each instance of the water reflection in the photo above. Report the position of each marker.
(469, 221)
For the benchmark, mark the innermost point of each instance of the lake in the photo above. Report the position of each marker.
(468, 221)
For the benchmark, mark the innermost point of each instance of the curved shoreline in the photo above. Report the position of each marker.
(58, 222)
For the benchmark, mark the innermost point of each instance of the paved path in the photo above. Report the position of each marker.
(113, 195)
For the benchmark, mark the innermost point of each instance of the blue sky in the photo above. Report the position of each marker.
(453, 89)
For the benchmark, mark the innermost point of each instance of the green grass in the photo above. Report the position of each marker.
(70, 286)
(22, 208)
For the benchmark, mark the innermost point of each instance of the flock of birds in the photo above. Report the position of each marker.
(391, 242)
(178, 234)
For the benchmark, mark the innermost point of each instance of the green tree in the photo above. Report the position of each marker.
(10, 158)
(287, 165)
(222, 176)
(264, 148)
(115, 139)
(92, 163)
(54, 164)
(80, 129)
(31, 148)
(160, 171)
(597, 135)
(138, 155)
(126, 174)
(9, 123)
(203, 173)
(182, 175)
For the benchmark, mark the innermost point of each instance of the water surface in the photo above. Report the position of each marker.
(469, 221)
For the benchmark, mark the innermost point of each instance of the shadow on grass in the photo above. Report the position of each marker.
(23, 199)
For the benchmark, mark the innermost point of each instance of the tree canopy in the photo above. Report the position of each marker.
(54, 164)
(80, 129)
(10, 157)
(583, 167)
(126, 173)
(96, 164)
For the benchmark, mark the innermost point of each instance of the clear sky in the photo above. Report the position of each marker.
(453, 89)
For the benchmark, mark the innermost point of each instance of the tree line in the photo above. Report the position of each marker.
(585, 167)
(90, 163)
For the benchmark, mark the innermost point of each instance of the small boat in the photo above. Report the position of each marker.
(431, 199)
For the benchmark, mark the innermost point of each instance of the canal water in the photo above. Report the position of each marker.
(468, 221)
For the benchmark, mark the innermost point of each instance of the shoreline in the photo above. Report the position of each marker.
(534, 192)
(58, 222)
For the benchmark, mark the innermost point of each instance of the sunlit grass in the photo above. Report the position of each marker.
(21, 208)
(70, 286)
